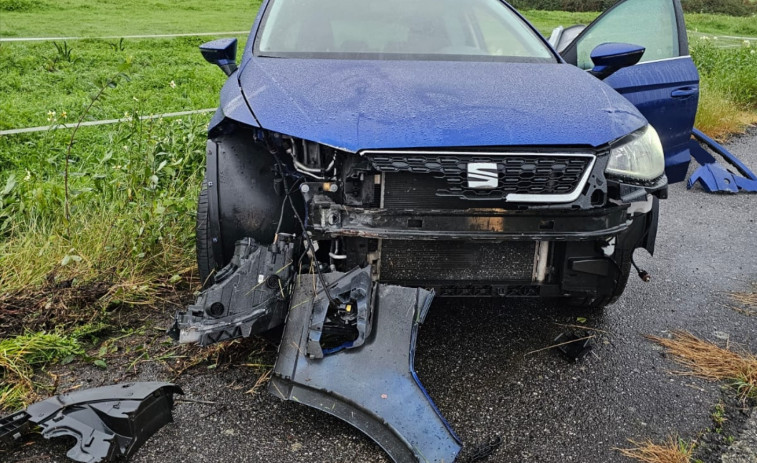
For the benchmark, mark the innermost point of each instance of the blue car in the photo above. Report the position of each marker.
(398, 149)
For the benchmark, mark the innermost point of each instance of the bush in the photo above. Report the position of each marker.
(563, 5)
(21, 5)
(729, 7)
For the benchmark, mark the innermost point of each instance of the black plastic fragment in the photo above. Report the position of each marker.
(107, 422)
(13, 427)
(249, 296)
(573, 346)
(485, 450)
(373, 387)
(348, 324)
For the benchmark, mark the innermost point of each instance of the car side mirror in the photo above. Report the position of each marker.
(611, 57)
(222, 53)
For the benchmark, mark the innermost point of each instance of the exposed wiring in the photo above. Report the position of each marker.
(334, 253)
(305, 233)
(283, 208)
(643, 274)
(302, 168)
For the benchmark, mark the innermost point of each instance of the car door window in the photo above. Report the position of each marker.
(649, 23)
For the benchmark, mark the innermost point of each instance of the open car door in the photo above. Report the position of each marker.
(664, 85)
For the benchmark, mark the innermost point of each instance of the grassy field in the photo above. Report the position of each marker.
(127, 241)
(67, 18)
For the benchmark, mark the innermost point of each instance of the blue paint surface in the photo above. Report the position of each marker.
(371, 104)
(362, 104)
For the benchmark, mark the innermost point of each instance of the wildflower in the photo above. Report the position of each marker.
(63, 114)
(50, 116)
(172, 84)
(127, 115)
(28, 176)
(746, 43)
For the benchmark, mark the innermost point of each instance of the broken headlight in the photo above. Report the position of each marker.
(638, 156)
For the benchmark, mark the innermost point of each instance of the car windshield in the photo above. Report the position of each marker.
(478, 30)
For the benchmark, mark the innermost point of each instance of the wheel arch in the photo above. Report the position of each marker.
(242, 198)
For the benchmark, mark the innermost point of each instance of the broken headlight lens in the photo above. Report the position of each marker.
(638, 157)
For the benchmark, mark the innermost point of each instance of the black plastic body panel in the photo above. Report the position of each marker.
(107, 422)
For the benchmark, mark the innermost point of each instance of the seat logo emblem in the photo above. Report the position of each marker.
(482, 175)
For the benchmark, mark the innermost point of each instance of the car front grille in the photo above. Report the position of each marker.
(441, 179)
(404, 262)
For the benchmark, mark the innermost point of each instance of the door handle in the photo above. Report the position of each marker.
(683, 92)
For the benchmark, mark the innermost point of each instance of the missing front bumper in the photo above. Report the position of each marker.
(334, 220)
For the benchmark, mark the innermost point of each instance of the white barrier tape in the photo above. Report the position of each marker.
(146, 36)
(734, 37)
(105, 122)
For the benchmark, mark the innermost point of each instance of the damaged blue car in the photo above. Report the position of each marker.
(369, 156)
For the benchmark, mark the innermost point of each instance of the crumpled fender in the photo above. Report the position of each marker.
(107, 422)
(373, 387)
(233, 105)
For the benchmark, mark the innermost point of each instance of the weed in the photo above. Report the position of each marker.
(118, 46)
(706, 360)
(100, 94)
(20, 355)
(64, 52)
(671, 451)
(718, 416)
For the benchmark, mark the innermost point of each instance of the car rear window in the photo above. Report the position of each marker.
(398, 29)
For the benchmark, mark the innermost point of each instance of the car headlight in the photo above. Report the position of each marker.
(638, 157)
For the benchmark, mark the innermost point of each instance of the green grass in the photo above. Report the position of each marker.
(166, 75)
(133, 188)
(545, 21)
(19, 356)
(721, 24)
(94, 18)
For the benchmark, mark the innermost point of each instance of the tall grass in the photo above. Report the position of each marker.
(19, 356)
(728, 78)
(133, 195)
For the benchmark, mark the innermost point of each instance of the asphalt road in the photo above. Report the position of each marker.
(473, 357)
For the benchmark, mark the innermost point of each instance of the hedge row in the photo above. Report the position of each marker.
(729, 7)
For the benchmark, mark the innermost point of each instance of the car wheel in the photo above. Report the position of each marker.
(596, 302)
(206, 262)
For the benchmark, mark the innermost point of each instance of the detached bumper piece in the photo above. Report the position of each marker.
(713, 177)
(107, 422)
(374, 386)
(249, 296)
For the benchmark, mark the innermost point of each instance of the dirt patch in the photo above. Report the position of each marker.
(67, 303)
(46, 307)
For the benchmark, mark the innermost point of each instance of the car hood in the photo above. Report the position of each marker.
(361, 104)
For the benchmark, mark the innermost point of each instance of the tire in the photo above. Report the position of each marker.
(206, 262)
(597, 303)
